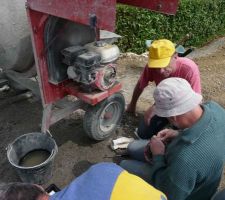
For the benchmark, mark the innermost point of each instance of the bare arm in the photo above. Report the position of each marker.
(141, 84)
(136, 94)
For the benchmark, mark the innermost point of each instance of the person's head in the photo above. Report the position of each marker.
(22, 191)
(162, 57)
(176, 100)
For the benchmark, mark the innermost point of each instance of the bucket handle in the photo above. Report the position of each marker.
(8, 147)
(54, 151)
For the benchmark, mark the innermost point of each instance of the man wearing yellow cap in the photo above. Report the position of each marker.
(163, 63)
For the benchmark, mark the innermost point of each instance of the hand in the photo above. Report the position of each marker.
(148, 153)
(166, 135)
(148, 115)
(131, 108)
(156, 146)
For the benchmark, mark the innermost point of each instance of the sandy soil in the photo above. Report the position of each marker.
(76, 151)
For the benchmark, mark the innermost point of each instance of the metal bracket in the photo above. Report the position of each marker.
(51, 115)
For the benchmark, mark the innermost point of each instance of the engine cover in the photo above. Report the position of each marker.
(101, 78)
(84, 68)
(108, 52)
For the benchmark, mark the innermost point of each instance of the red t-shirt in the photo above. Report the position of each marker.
(185, 68)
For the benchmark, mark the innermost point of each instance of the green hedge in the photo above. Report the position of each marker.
(204, 19)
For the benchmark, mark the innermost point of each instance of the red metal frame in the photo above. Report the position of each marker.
(94, 97)
(74, 10)
(163, 6)
(78, 11)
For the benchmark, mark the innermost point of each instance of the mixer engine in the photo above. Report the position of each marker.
(92, 65)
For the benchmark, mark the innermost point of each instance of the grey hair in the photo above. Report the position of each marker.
(20, 191)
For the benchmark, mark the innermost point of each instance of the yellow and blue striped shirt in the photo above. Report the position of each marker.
(108, 181)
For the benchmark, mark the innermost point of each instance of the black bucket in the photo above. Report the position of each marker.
(24, 144)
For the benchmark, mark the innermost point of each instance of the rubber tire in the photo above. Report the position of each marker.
(91, 121)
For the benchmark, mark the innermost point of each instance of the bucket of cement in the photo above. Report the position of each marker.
(32, 156)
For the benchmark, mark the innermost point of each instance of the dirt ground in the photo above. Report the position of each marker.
(76, 151)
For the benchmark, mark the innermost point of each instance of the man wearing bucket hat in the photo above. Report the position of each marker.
(185, 164)
(163, 63)
(103, 181)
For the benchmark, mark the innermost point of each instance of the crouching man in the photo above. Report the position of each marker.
(104, 181)
(185, 164)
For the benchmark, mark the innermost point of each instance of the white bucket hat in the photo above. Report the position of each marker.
(174, 96)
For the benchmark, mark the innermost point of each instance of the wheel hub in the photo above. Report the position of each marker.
(109, 116)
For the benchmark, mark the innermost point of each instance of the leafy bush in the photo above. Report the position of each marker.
(205, 20)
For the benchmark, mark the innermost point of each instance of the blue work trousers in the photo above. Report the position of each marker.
(138, 166)
(156, 125)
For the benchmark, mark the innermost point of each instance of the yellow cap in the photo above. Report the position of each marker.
(160, 53)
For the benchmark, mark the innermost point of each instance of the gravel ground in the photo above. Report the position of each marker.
(76, 151)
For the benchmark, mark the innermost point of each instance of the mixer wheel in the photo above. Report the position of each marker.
(101, 120)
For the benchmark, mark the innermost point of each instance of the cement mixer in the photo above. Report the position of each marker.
(15, 43)
(72, 56)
